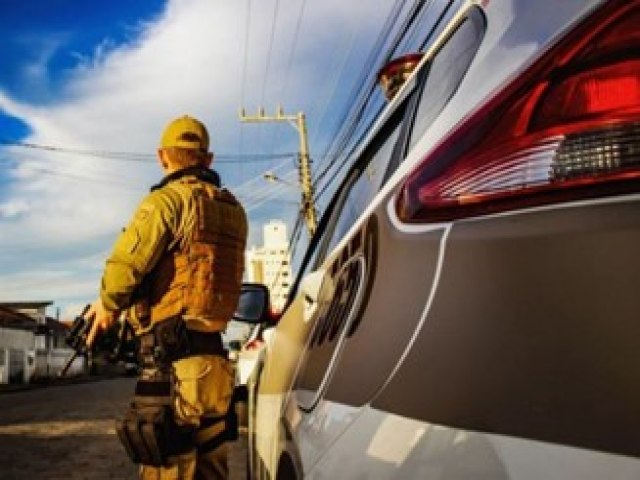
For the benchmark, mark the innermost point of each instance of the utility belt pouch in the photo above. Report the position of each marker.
(148, 430)
(139, 313)
(171, 340)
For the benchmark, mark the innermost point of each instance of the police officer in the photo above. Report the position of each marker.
(176, 270)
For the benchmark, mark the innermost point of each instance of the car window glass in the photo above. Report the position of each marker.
(310, 257)
(363, 189)
(444, 76)
(446, 71)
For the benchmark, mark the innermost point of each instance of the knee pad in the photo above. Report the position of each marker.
(150, 434)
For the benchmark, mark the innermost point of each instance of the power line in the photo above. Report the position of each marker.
(348, 117)
(146, 157)
(295, 236)
(290, 175)
(244, 75)
(269, 189)
(256, 206)
(84, 178)
(265, 77)
(411, 39)
(253, 157)
(294, 43)
(246, 53)
(267, 69)
(342, 165)
(334, 88)
(258, 178)
(287, 76)
(78, 151)
(337, 148)
(299, 123)
(354, 146)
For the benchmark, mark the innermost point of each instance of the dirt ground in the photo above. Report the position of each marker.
(67, 432)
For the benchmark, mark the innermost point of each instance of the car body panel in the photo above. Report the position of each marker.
(521, 324)
(383, 446)
(443, 350)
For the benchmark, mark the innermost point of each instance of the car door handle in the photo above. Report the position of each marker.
(312, 286)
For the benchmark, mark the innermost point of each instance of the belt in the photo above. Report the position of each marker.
(205, 343)
(171, 340)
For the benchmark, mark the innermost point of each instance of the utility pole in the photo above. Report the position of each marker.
(299, 123)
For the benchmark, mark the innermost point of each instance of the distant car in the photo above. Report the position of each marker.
(469, 306)
(248, 354)
(130, 364)
(235, 335)
(254, 314)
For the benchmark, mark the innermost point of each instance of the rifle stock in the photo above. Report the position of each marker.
(77, 338)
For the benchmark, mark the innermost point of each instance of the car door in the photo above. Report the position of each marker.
(389, 276)
(336, 297)
(345, 330)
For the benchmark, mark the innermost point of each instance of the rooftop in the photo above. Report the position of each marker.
(15, 320)
(35, 304)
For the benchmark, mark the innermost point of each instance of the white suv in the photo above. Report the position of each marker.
(469, 306)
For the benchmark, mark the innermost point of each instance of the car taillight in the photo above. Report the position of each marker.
(567, 129)
(253, 345)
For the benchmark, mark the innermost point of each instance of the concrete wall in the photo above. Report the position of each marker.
(22, 361)
(20, 339)
(14, 345)
(4, 366)
(49, 363)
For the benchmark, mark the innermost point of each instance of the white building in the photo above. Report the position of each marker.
(17, 339)
(270, 264)
(37, 312)
(31, 344)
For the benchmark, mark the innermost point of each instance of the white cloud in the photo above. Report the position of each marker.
(13, 208)
(71, 311)
(35, 72)
(38, 284)
(189, 60)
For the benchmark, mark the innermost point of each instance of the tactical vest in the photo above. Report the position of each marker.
(200, 278)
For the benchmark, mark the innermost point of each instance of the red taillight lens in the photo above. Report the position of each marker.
(253, 345)
(591, 96)
(568, 129)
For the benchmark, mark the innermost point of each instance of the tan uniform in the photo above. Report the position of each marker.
(183, 254)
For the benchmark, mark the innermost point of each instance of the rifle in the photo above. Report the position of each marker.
(77, 340)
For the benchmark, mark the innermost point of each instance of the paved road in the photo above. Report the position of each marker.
(67, 432)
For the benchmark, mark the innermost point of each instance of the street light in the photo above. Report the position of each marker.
(298, 122)
(272, 177)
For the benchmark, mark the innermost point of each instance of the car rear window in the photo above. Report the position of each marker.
(363, 188)
(446, 71)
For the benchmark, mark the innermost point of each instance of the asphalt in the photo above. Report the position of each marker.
(66, 431)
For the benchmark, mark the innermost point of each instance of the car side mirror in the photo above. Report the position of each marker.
(253, 305)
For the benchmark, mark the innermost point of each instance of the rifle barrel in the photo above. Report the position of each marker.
(63, 372)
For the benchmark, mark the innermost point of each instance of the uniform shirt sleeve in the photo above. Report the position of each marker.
(138, 248)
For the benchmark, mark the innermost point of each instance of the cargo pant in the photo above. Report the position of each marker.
(203, 390)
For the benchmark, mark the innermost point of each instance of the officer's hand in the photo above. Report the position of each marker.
(102, 320)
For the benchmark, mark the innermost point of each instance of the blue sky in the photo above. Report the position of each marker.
(104, 76)
(51, 37)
